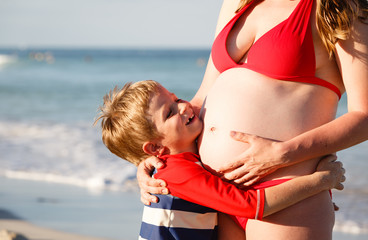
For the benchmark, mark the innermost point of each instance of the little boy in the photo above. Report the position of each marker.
(144, 119)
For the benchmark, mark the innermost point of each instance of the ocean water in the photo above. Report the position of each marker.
(49, 99)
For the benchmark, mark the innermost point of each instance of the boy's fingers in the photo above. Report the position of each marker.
(343, 178)
(340, 164)
(336, 208)
(339, 186)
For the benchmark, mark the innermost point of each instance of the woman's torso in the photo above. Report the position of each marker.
(244, 100)
(247, 101)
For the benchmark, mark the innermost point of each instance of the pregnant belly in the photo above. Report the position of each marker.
(249, 102)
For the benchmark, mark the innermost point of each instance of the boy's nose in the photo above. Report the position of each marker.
(183, 107)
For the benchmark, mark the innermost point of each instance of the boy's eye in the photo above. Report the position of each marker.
(170, 113)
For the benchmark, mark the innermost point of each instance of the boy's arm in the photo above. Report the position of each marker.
(329, 175)
(195, 184)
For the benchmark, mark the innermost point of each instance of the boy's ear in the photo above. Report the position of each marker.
(153, 149)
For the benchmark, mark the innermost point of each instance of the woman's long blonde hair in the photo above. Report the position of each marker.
(334, 19)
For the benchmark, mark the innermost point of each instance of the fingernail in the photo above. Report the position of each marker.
(162, 184)
(165, 191)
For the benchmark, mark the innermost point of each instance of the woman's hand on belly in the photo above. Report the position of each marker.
(264, 156)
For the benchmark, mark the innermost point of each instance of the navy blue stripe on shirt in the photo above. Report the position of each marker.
(152, 232)
(175, 203)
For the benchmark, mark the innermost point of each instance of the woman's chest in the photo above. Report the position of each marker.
(253, 24)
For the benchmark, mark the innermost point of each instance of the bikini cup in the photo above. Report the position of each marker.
(285, 52)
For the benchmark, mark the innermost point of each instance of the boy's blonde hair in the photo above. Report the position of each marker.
(125, 126)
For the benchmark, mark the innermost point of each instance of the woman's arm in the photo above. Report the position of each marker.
(265, 156)
(351, 128)
(208, 80)
(227, 11)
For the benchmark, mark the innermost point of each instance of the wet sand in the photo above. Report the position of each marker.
(25, 230)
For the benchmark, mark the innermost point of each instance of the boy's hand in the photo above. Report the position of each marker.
(331, 172)
(148, 184)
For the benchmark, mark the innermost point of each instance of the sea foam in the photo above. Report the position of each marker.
(62, 154)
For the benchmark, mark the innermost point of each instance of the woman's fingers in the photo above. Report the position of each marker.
(147, 184)
(147, 198)
(232, 166)
(144, 172)
(233, 173)
(156, 186)
(152, 163)
(241, 177)
(242, 137)
(152, 186)
(246, 182)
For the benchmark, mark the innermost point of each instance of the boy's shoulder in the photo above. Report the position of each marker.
(179, 167)
(181, 159)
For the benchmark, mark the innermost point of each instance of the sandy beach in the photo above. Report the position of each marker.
(12, 227)
(47, 211)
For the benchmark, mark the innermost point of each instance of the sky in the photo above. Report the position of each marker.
(108, 23)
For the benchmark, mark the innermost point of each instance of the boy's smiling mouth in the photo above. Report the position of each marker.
(190, 119)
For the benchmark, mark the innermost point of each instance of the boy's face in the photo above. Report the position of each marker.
(175, 121)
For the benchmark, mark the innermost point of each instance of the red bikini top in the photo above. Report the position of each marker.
(286, 52)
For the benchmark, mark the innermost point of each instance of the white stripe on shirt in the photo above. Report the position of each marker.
(179, 219)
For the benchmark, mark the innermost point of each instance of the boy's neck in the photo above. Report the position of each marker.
(192, 149)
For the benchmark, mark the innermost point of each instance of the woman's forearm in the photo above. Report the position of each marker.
(341, 133)
(352, 128)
